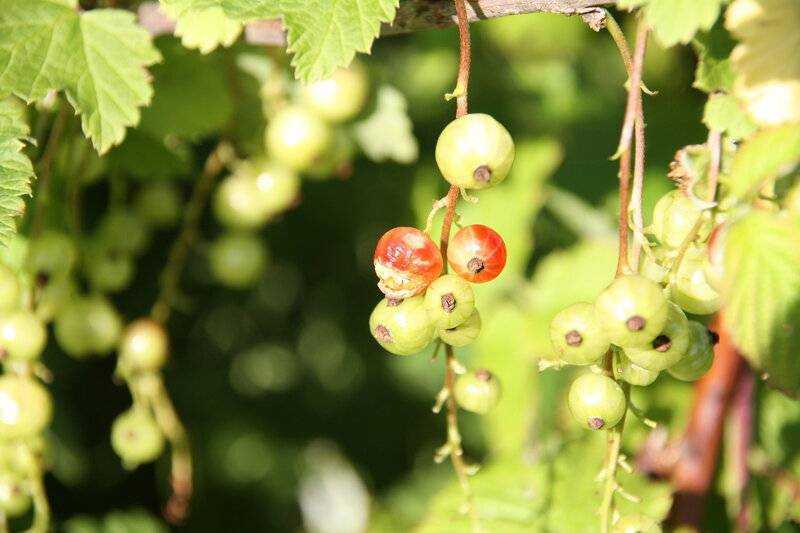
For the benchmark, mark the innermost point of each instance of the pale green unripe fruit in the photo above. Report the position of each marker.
(791, 201)
(296, 137)
(475, 152)
(632, 311)
(124, 232)
(159, 204)
(691, 289)
(51, 254)
(278, 187)
(636, 523)
(402, 327)
(108, 271)
(238, 204)
(25, 407)
(238, 260)
(14, 499)
(136, 437)
(334, 160)
(22, 336)
(669, 346)
(144, 346)
(450, 301)
(9, 289)
(54, 296)
(340, 97)
(478, 391)
(626, 370)
(463, 334)
(597, 401)
(699, 356)
(88, 326)
(577, 336)
(674, 217)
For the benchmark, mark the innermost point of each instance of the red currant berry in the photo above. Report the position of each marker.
(406, 261)
(477, 253)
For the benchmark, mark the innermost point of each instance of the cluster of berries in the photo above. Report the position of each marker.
(303, 136)
(640, 319)
(422, 305)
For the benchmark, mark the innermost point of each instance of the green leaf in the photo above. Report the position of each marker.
(204, 28)
(677, 21)
(714, 71)
(97, 57)
(387, 133)
(762, 295)
(724, 114)
(766, 156)
(16, 170)
(323, 35)
(192, 99)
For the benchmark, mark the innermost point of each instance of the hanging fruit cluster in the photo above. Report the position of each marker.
(423, 303)
(640, 320)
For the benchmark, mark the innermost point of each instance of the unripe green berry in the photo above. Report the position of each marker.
(626, 370)
(339, 97)
(14, 499)
(674, 217)
(10, 291)
(124, 232)
(636, 523)
(278, 187)
(159, 204)
(691, 289)
(464, 333)
(22, 336)
(475, 152)
(335, 160)
(669, 346)
(791, 202)
(577, 336)
(88, 326)
(136, 437)
(699, 356)
(597, 401)
(25, 407)
(238, 204)
(144, 346)
(402, 327)
(108, 270)
(51, 254)
(477, 391)
(238, 260)
(296, 137)
(632, 310)
(450, 301)
(54, 296)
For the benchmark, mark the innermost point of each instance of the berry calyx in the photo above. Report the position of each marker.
(406, 261)
(477, 391)
(474, 152)
(25, 407)
(22, 336)
(144, 346)
(296, 137)
(632, 311)
(340, 97)
(668, 347)
(238, 260)
(402, 327)
(630, 372)
(136, 437)
(450, 301)
(699, 356)
(597, 401)
(463, 334)
(477, 253)
(577, 336)
(691, 288)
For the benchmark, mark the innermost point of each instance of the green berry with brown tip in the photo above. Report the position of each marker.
(597, 401)
(669, 346)
(699, 356)
(402, 327)
(478, 391)
(450, 301)
(463, 334)
(577, 336)
(632, 310)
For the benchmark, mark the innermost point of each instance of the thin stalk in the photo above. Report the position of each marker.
(41, 507)
(44, 168)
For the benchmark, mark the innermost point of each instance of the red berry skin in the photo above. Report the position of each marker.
(477, 253)
(406, 262)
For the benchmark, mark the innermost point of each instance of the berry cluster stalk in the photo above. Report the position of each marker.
(451, 363)
(629, 203)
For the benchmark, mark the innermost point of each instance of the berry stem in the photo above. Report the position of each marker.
(41, 507)
(178, 254)
(465, 59)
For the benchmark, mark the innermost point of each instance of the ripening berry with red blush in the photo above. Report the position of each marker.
(406, 262)
(477, 253)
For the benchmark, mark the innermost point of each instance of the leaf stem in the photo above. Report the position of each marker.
(178, 254)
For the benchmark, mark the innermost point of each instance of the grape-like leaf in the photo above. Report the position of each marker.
(765, 156)
(16, 170)
(677, 21)
(724, 114)
(204, 29)
(323, 35)
(386, 134)
(97, 57)
(714, 71)
(762, 295)
(767, 62)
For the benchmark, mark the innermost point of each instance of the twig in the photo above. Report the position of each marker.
(613, 447)
(170, 277)
(742, 418)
